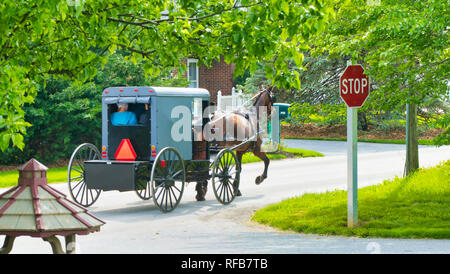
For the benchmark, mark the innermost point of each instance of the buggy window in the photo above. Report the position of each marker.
(142, 112)
(139, 134)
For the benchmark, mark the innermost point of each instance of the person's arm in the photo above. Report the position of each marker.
(113, 119)
(133, 119)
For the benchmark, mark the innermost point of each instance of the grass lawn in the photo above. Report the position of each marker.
(380, 141)
(298, 153)
(59, 175)
(413, 207)
(54, 175)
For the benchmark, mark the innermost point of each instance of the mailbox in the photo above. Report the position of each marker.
(283, 110)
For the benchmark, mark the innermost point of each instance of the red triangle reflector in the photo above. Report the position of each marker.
(125, 151)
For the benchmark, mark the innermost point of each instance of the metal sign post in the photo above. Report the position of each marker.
(352, 166)
(354, 89)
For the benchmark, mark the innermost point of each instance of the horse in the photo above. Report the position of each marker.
(244, 123)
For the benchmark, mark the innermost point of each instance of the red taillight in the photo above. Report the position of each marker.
(136, 89)
(162, 164)
(120, 90)
(153, 151)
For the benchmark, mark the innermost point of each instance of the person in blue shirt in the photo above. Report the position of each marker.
(123, 117)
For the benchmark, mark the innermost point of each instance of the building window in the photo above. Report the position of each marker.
(192, 73)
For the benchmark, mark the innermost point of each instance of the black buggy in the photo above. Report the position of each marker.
(145, 157)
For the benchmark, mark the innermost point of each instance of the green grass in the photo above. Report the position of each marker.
(54, 175)
(299, 153)
(380, 141)
(303, 153)
(414, 207)
(250, 158)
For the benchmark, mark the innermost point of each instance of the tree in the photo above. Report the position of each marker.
(64, 115)
(403, 46)
(71, 38)
(319, 80)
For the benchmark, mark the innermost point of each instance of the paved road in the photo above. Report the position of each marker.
(135, 226)
(333, 148)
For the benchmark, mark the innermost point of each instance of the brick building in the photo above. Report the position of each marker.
(218, 77)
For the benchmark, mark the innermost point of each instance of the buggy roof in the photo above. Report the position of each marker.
(155, 91)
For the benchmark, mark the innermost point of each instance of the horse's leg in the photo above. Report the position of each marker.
(201, 188)
(239, 155)
(262, 155)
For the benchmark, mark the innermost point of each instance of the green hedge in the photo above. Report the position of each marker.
(63, 116)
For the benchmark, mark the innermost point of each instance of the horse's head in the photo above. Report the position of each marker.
(266, 98)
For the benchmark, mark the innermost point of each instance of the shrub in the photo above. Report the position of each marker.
(322, 114)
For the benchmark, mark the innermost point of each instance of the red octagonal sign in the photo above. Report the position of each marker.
(354, 86)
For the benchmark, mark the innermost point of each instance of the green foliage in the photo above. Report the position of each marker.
(403, 46)
(387, 126)
(322, 114)
(61, 120)
(444, 138)
(318, 76)
(320, 80)
(253, 82)
(412, 207)
(71, 39)
(65, 115)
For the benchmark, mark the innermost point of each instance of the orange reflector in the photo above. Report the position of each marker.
(125, 151)
(153, 147)
(104, 148)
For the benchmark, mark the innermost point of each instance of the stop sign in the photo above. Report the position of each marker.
(354, 86)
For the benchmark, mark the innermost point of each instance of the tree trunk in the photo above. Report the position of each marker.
(412, 148)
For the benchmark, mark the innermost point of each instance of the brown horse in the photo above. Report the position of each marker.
(243, 124)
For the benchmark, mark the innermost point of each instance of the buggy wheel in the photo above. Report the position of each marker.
(143, 190)
(225, 176)
(167, 179)
(76, 177)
